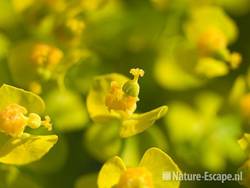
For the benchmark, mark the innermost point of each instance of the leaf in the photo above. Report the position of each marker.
(24, 150)
(66, 110)
(96, 97)
(10, 94)
(87, 181)
(158, 162)
(110, 173)
(137, 123)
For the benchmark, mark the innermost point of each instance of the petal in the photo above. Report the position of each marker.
(28, 148)
(140, 122)
(96, 97)
(110, 173)
(51, 163)
(211, 67)
(10, 94)
(158, 162)
(172, 76)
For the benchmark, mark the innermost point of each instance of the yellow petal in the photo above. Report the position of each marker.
(138, 123)
(110, 173)
(211, 68)
(26, 149)
(158, 162)
(10, 94)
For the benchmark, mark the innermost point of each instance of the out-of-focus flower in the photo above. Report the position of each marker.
(201, 126)
(33, 63)
(211, 31)
(148, 174)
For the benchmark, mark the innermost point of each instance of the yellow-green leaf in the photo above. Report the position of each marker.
(158, 162)
(26, 149)
(137, 123)
(110, 173)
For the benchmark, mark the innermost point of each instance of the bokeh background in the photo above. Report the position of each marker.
(195, 54)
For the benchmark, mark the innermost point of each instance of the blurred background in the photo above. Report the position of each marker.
(195, 55)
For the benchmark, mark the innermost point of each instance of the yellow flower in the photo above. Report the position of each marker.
(124, 98)
(14, 120)
(149, 173)
(114, 97)
(46, 56)
(211, 40)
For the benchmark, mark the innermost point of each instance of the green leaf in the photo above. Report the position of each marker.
(87, 181)
(66, 110)
(26, 149)
(158, 162)
(96, 97)
(30, 101)
(110, 173)
(137, 123)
